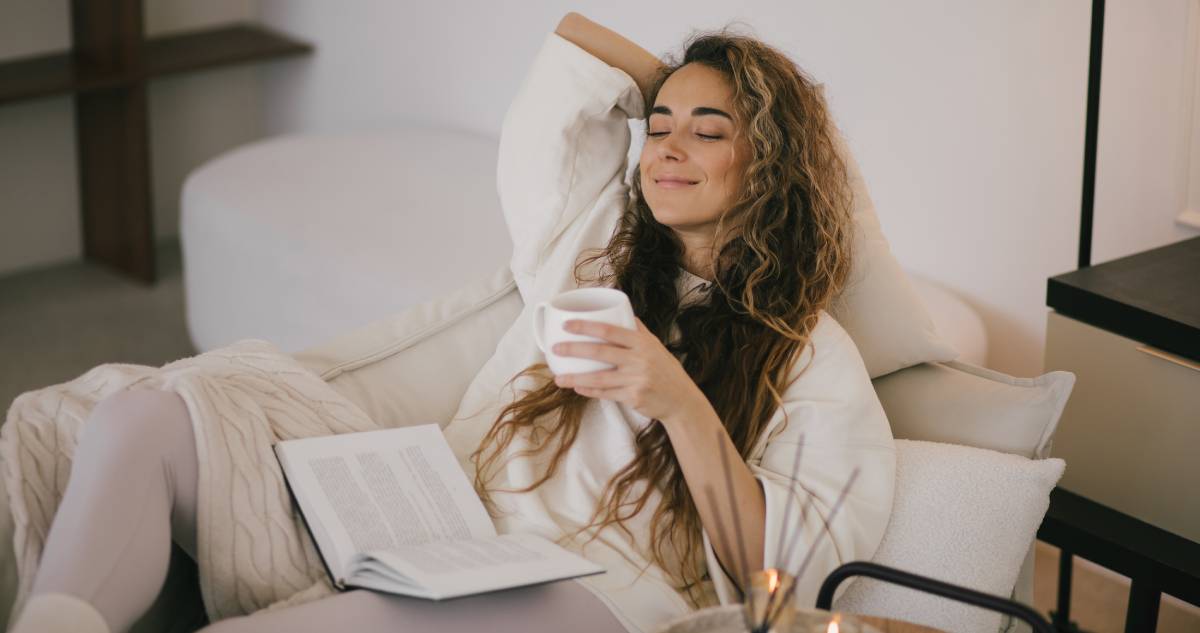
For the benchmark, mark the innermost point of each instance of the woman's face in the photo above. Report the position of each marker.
(690, 137)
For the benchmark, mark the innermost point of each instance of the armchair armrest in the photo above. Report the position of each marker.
(928, 585)
(414, 367)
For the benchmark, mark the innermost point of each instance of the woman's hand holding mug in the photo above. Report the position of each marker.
(596, 345)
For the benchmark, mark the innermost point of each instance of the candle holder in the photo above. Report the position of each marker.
(766, 604)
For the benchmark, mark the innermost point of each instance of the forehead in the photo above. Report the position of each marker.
(695, 85)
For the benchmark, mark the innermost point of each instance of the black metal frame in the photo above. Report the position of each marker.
(1155, 560)
(932, 586)
(1091, 131)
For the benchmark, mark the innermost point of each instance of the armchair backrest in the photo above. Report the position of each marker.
(414, 367)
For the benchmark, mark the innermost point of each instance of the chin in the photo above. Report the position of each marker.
(665, 218)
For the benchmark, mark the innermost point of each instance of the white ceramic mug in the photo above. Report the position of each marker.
(592, 304)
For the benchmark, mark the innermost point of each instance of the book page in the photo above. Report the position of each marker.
(453, 568)
(381, 490)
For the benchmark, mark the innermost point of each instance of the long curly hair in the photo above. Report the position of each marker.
(777, 267)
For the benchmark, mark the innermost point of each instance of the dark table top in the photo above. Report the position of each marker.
(1152, 297)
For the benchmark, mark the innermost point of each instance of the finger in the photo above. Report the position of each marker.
(607, 331)
(592, 392)
(604, 379)
(598, 351)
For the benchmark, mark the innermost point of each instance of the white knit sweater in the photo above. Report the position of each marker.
(253, 550)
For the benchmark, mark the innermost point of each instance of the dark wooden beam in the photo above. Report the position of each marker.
(113, 148)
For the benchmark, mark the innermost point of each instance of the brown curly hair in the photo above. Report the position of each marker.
(782, 263)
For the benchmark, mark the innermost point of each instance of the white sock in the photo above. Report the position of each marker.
(53, 612)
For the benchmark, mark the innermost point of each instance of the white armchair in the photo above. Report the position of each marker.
(413, 368)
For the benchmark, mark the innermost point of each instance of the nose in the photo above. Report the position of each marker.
(668, 148)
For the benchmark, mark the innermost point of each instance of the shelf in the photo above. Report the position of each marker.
(60, 73)
(1150, 297)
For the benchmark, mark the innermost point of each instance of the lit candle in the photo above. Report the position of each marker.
(837, 623)
(765, 600)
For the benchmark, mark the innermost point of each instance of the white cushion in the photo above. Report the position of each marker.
(879, 306)
(413, 367)
(301, 238)
(962, 404)
(956, 322)
(962, 515)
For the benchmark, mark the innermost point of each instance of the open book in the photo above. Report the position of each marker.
(393, 511)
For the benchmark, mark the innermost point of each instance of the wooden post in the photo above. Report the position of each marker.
(113, 148)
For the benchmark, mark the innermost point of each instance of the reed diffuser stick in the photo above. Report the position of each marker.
(796, 538)
(787, 508)
(724, 540)
(773, 598)
(712, 500)
(813, 548)
(832, 513)
(777, 603)
(737, 525)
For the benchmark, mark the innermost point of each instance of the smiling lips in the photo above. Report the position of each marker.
(672, 182)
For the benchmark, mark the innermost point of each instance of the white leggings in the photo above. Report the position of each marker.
(132, 490)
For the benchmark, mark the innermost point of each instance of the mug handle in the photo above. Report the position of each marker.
(539, 325)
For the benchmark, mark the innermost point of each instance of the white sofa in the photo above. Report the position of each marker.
(408, 368)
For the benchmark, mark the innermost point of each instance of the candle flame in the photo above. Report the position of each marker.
(833, 627)
(772, 580)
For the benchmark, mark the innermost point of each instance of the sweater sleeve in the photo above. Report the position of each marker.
(833, 411)
(564, 140)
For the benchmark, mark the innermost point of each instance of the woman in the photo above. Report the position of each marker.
(731, 242)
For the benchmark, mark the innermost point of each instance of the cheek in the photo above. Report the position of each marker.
(723, 169)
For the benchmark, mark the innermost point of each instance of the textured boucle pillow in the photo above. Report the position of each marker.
(962, 515)
(879, 306)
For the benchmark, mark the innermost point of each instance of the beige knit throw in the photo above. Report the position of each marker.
(254, 551)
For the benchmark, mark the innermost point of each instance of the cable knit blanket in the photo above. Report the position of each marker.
(254, 551)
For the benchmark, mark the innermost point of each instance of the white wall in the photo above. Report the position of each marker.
(192, 118)
(967, 117)
(1145, 118)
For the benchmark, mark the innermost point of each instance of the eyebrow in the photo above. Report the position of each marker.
(699, 111)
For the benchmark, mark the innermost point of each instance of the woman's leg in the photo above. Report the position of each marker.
(132, 486)
(553, 607)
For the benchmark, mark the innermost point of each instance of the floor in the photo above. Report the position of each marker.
(58, 322)
(1099, 596)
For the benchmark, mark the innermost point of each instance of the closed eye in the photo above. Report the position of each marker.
(713, 138)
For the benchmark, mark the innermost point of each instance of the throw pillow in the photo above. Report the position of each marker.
(879, 306)
(958, 403)
(962, 515)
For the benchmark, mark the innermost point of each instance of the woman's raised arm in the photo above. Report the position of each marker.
(611, 47)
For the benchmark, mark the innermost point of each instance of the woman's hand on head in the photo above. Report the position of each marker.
(645, 376)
